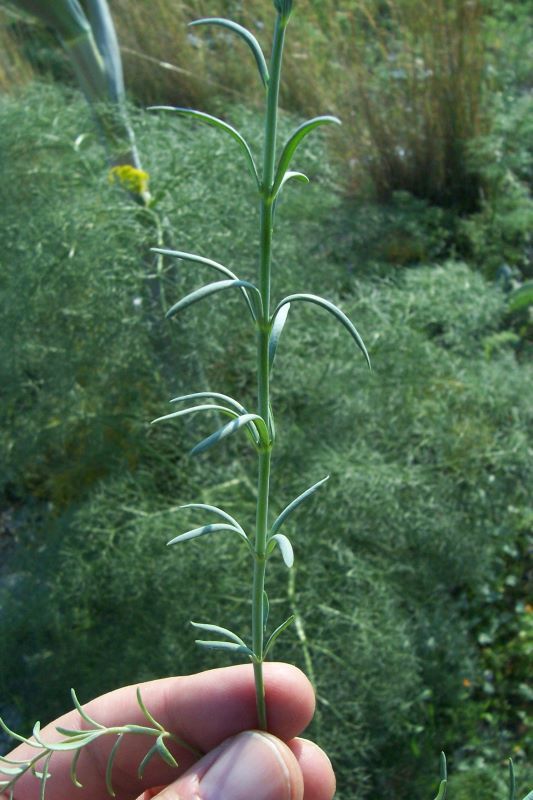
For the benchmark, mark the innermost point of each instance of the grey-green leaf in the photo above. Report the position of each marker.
(109, 768)
(228, 647)
(164, 752)
(248, 37)
(215, 510)
(220, 631)
(144, 763)
(198, 395)
(208, 263)
(274, 635)
(296, 176)
(204, 530)
(295, 503)
(212, 288)
(275, 332)
(288, 151)
(228, 429)
(214, 122)
(285, 547)
(442, 791)
(340, 315)
(192, 409)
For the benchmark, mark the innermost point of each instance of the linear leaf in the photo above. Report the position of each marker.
(529, 796)
(145, 711)
(443, 769)
(192, 409)
(248, 37)
(204, 530)
(295, 503)
(266, 609)
(214, 122)
(43, 777)
(215, 510)
(275, 332)
(83, 714)
(207, 290)
(197, 395)
(164, 752)
(144, 763)
(230, 428)
(203, 626)
(207, 262)
(340, 315)
(296, 176)
(512, 782)
(228, 647)
(109, 767)
(74, 770)
(274, 635)
(442, 791)
(288, 151)
(285, 547)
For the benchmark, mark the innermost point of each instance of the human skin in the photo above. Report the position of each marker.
(205, 709)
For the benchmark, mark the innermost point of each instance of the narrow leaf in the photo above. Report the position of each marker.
(209, 263)
(228, 647)
(215, 510)
(248, 37)
(521, 298)
(529, 796)
(266, 609)
(343, 319)
(275, 332)
(204, 530)
(145, 711)
(230, 428)
(212, 288)
(274, 635)
(442, 791)
(288, 151)
(197, 395)
(109, 767)
(217, 395)
(512, 783)
(83, 714)
(296, 176)
(295, 503)
(214, 122)
(73, 770)
(16, 736)
(442, 767)
(285, 547)
(164, 752)
(144, 763)
(43, 777)
(221, 632)
(193, 409)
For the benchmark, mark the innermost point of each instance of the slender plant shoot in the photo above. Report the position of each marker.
(269, 180)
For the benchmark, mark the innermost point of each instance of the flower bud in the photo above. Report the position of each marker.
(283, 7)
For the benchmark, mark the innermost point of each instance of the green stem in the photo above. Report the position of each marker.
(263, 367)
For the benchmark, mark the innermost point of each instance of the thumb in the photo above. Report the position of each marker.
(251, 764)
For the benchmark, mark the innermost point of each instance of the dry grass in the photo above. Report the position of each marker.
(15, 70)
(406, 78)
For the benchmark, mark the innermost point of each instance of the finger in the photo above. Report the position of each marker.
(317, 772)
(203, 709)
(251, 764)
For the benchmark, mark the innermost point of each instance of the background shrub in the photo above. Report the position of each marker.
(428, 456)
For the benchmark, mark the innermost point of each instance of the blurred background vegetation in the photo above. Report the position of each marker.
(413, 565)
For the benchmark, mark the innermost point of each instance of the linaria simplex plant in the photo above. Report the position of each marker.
(259, 427)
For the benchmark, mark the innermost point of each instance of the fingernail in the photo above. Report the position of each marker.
(251, 766)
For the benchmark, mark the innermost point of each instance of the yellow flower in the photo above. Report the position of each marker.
(467, 683)
(130, 178)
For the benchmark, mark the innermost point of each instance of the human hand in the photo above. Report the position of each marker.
(215, 712)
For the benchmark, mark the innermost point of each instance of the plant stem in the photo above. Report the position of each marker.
(263, 366)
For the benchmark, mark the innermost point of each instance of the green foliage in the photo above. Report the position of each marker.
(427, 459)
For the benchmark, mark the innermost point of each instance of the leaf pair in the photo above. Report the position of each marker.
(253, 423)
